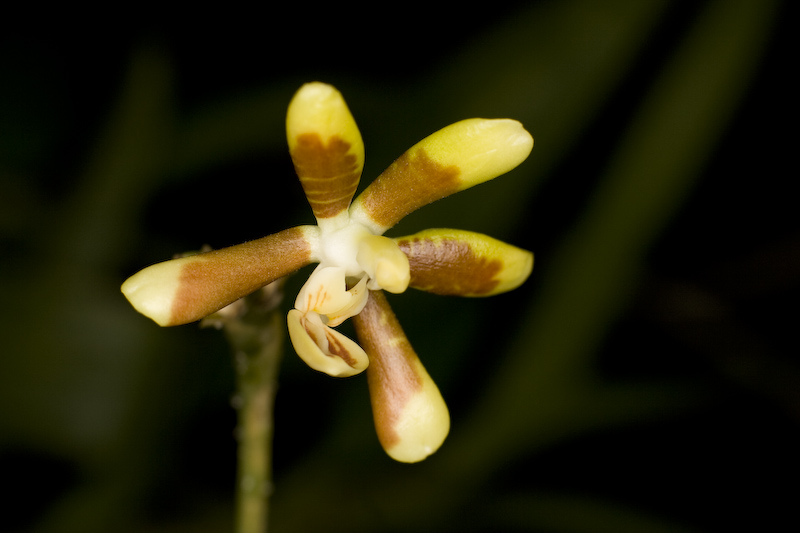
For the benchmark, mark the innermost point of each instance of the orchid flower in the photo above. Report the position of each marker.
(356, 262)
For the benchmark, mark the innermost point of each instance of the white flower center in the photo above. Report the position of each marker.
(351, 255)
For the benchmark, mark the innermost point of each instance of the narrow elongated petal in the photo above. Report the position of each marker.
(187, 289)
(455, 158)
(463, 263)
(323, 348)
(411, 418)
(326, 148)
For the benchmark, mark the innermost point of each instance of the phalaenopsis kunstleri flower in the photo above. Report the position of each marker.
(356, 262)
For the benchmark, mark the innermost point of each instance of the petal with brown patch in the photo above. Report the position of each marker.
(328, 172)
(411, 418)
(464, 263)
(454, 158)
(189, 288)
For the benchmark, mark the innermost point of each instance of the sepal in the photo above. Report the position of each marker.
(326, 148)
(464, 263)
(411, 417)
(183, 290)
(454, 158)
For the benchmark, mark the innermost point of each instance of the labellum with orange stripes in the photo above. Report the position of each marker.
(357, 262)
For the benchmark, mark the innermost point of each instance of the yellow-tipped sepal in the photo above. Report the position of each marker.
(154, 291)
(455, 158)
(326, 148)
(464, 263)
(189, 288)
(411, 418)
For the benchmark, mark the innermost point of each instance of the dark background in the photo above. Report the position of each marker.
(645, 378)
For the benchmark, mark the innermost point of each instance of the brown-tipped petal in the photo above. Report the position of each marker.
(455, 158)
(323, 348)
(187, 289)
(464, 263)
(411, 418)
(326, 148)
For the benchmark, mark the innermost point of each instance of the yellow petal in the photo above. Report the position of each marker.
(326, 148)
(411, 418)
(323, 348)
(187, 289)
(455, 158)
(384, 263)
(463, 263)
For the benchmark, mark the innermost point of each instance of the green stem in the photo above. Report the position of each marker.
(254, 329)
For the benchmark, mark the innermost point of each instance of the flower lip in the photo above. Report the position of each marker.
(323, 348)
(326, 294)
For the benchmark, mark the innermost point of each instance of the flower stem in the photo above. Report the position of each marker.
(254, 329)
